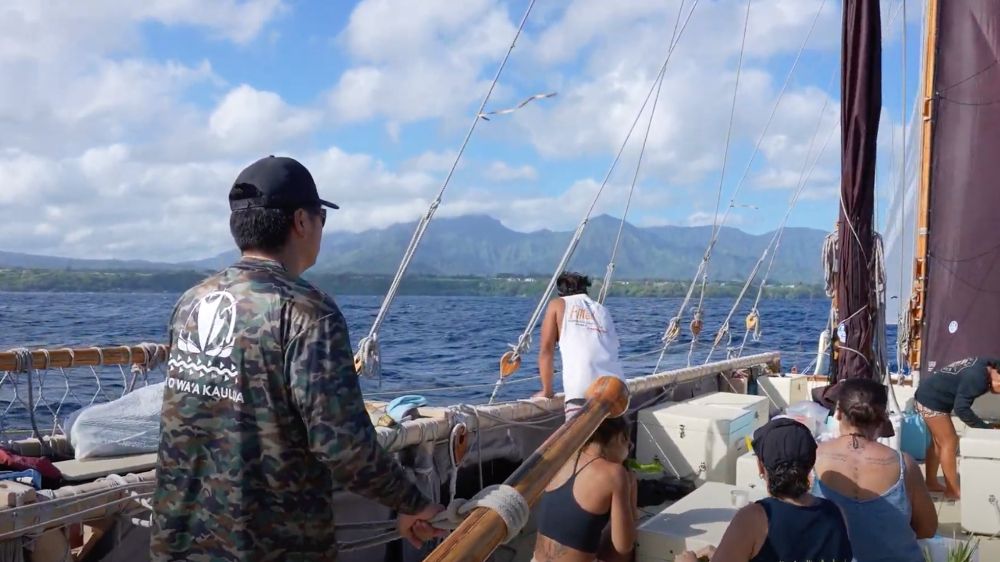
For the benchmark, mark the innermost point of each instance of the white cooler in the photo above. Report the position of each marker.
(692, 523)
(978, 469)
(759, 405)
(694, 440)
(783, 391)
(748, 474)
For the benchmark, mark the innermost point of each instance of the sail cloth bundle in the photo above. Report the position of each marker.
(505, 500)
(126, 426)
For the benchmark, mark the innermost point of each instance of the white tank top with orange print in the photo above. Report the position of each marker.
(588, 345)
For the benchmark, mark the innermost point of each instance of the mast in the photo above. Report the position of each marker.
(919, 292)
(861, 104)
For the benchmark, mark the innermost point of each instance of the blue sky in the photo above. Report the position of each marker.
(131, 121)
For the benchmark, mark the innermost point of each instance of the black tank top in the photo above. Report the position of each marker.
(797, 533)
(561, 518)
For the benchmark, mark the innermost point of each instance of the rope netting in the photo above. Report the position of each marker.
(36, 400)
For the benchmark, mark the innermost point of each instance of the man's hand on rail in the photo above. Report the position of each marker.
(416, 528)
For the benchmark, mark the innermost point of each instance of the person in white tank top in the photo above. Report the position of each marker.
(588, 342)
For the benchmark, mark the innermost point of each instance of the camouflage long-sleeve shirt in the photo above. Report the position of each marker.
(263, 420)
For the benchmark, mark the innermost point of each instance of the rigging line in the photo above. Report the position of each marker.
(609, 271)
(775, 243)
(903, 184)
(732, 118)
(967, 103)
(663, 69)
(976, 74)
(524, 340)
(975, 257)
(708, 250)
(445, 389)
(628, 202)
(725, 161)
(779, 234)
(774, 110)
(422, 225)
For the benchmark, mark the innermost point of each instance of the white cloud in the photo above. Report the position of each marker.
(703, 218)
(502, 172)
(58, 28)
(687, 139)
(106, 152)
(237, 21)
(418, 60)
(249, 119)
(432, 161)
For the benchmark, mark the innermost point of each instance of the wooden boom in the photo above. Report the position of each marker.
(483, 530)
(85, 357)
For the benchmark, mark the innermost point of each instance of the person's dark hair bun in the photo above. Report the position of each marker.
(862, 415)
(863, 402)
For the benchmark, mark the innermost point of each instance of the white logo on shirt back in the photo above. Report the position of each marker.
(204, 347)
(216, 318)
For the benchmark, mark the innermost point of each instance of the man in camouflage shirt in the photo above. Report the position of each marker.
(263, 419)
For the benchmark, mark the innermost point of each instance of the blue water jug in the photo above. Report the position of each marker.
(915, 436)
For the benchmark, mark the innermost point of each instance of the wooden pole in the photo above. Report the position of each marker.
(84, 357)
(919, 293)
(483, 530)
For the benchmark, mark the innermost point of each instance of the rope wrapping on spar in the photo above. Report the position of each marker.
(150, 361)
(505, 500)
(369, 362)
(511, 360)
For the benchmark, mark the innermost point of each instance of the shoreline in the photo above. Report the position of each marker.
(17, 280)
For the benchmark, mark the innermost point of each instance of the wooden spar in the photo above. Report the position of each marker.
(483, 530)
(84, 357)
(918, 297)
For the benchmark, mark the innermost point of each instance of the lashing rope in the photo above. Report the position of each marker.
(150, 361)
(22, 364)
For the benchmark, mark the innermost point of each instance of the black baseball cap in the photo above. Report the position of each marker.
(784, 440)
(275, 182)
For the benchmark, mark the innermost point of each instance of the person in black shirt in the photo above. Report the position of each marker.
(791, 524)
(953, 388)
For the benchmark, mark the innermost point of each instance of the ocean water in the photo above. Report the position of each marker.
(446, 348)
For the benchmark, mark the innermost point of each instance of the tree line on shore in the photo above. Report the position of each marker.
(68, 281)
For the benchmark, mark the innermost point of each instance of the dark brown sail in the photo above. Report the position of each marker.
(962, 307)
(861, 104)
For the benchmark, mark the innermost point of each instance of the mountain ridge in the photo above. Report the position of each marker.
(480, 245)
